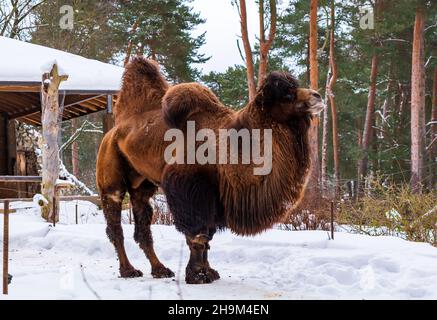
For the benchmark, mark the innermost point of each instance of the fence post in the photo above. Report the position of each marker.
(130, 214)
(6, 247)
(332, 220)
(55, 210)
(76, 213)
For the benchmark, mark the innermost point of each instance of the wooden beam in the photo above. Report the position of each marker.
(72, 101)
(34, 86)
(91, 106)
(93, 102)
(19, 88)
(6, 107)
(94, 199)
(21, 98)
(81, 109)
(31, 121)
(73, 111)
(21, 179)
(28, 112)
(2, 211)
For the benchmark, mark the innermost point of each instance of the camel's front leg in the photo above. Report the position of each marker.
(198, 270)
(112, 210)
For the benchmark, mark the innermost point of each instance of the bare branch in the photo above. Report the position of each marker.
(431, 26)
(78, 132)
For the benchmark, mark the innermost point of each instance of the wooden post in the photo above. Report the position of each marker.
(332, 220)
(21, 171)
(50, 132)
(130, 215)
(3, 144)
(6, 248)
(12, 147)
(12, 156)
(76, 214)
(108, 119)
(55, 209)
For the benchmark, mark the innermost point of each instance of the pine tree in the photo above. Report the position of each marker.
(91, 35)
(163, 32)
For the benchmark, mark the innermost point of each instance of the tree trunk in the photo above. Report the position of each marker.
(313, 183)
(308, 77)
(314, 72)
(247, 50)
(367, 132)
(74, 150)
(417, 101)
(387, 105)
(50, 133)
(325, 129)
(332, 82)
(130, 44)
(265, 45)
(433, 140)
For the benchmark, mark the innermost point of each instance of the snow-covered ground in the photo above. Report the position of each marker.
(77, 262)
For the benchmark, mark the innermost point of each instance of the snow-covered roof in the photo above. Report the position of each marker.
(23, 62)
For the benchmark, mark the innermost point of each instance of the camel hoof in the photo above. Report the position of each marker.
(162, 272)
(213, 274)
(130, 273)
(201, 276)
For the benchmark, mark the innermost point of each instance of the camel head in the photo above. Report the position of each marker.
(282, 98)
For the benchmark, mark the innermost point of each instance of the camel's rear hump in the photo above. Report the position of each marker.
(142, 90)
(183, 101)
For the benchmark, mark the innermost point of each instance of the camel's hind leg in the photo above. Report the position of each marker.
(143, 215)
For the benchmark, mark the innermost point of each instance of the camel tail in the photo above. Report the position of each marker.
(142, 89)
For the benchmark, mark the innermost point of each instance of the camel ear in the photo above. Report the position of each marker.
(277, 87)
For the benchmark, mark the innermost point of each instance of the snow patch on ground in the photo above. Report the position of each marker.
(47, 263)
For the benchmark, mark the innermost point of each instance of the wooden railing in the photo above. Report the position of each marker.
(7, 211)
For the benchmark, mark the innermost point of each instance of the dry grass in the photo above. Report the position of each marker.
(393, 210)
(161, 214)
(311, 214)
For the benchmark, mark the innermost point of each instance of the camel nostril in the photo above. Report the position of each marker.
(316, 95)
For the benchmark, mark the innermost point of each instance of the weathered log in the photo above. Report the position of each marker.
(50, 120)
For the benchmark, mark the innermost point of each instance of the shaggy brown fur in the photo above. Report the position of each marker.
(202, 198)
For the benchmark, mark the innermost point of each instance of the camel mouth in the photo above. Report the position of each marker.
(316, 108)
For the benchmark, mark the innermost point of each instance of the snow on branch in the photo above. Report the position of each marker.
(34, 136)
(65, 174)
(86, 127)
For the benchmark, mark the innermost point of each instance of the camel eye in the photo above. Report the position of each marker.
(288, 97)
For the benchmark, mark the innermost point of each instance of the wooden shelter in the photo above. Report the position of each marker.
(92, 86)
